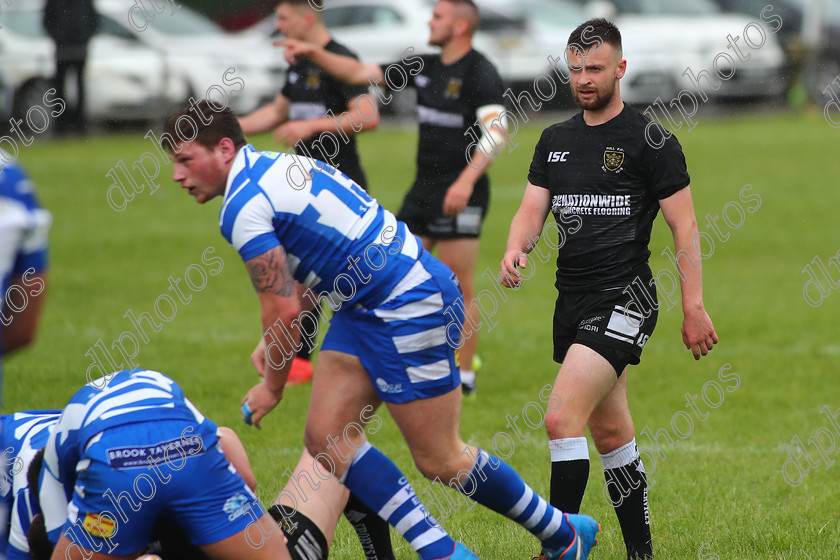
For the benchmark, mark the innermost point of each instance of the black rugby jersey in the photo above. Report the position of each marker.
(605, 183)
(447, 99)
(312, 93)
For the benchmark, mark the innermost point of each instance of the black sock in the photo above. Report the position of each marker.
(308, 324)
(627, 486)
(373, 531)
(568, 483)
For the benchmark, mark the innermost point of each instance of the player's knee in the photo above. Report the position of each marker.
(442, 466)
(559, 424)
(430, 470)
(610, 435)
(314, 441)
(608, 441)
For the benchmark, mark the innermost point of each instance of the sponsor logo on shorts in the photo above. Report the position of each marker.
(100, 526)
(164, 451)
(587, 324)
(236, 506)
(386, 387)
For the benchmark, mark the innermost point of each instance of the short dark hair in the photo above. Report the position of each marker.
(593, 33)
(473, 18)
(208, 128)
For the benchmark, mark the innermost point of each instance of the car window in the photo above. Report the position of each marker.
(23, 22)
(667, 7)
(497, 22)
(831, 10)
(344, 16)
(556, 12)
(187, 23)
(108, 26)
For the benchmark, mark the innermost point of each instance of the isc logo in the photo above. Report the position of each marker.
(554, 157)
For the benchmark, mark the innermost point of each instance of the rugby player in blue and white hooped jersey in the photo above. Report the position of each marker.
(24, 226)
(130, 447)
(394, 336)
(19, 431)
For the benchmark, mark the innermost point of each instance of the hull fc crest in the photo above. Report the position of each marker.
(613, 159)
(453, 88)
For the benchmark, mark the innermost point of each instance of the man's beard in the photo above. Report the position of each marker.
(595, 103)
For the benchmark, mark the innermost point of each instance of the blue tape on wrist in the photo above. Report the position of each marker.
(246, 413)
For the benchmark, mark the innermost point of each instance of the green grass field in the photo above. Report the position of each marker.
(719, 494)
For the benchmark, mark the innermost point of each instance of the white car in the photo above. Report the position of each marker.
(198, 49)
(693, 35)
(124, 79)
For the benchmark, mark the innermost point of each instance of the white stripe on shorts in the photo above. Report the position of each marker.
(421, 340)
(412, 310)
(416, 276)
(429, 372)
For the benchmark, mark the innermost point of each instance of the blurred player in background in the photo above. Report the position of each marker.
(319, 116)
(456, 90)
(391, 338)
(24, 226)
(604, 184)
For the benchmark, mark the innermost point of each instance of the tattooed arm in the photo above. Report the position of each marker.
(279, 306)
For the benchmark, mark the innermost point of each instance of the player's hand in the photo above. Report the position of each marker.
(292, 132)
(457, 197)
(698, 333)
(509, 276)
(258, 357)
(295, 49)
(259, 401)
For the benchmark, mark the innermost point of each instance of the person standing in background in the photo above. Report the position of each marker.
(71, 24)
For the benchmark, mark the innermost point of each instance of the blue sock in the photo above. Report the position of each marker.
(377, 481)
(494, 484)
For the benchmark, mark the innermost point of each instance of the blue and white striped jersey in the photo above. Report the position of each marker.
(26, 505)
(338, 240)
(127, 397)
(18, 431)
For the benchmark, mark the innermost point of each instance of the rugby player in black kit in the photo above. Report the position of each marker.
(456, 90)
(605, 184)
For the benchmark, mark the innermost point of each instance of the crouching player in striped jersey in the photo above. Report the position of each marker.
(393, 338)
(26, 433)
(132, 449)
(23, 436)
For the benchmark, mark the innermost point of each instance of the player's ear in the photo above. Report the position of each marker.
(227, 149)
(622, 68)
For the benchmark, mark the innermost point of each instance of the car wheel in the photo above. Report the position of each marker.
(29, 95)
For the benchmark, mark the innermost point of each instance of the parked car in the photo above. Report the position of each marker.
(137, 73)
(651, 74)
(818, 73)
(692, 34)
(125, 80)
(201, 51)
